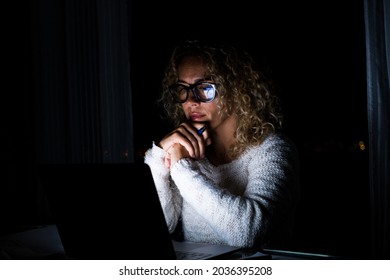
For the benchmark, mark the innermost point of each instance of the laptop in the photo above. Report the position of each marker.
(112, 211)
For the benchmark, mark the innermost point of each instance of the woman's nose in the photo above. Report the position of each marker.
(192, 98)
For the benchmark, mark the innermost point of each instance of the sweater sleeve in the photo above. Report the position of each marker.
(242, 220)
(169, 196)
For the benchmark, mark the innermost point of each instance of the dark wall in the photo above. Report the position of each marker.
(314, 51)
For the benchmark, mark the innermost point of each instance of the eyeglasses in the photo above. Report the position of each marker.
(203, 92)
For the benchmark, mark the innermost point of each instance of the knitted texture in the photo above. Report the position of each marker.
(248, 202)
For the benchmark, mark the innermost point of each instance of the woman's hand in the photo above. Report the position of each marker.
(185, 141)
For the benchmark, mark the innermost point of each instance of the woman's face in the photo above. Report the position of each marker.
(191, 71)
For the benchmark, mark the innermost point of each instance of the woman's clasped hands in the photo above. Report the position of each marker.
(187, 140)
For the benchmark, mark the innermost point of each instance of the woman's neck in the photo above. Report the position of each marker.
(222, 139)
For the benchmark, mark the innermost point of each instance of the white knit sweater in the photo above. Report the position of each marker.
(248, 202)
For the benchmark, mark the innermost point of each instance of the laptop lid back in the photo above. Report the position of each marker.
(107, 211)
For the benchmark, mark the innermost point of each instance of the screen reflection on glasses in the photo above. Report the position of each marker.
(202, 91)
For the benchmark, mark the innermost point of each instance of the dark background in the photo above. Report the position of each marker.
(315, 53)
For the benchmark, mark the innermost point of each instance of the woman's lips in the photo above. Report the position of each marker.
(196, 116)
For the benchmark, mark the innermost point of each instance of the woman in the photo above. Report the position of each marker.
(226, 174)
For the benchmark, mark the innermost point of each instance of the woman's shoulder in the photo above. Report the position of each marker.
(277, 138)
(277, 148)
(274, 143)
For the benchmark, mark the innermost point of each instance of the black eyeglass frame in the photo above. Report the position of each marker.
(193, 89)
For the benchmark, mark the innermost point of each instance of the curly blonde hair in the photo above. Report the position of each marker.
(243, 91)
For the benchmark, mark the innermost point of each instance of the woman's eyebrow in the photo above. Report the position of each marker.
(196, 81)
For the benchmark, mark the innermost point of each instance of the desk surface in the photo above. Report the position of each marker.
(40, 242)
(44, 243)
